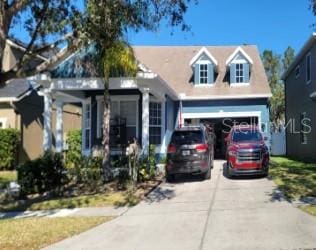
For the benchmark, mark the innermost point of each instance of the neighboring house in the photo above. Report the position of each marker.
(174, 86)
(300, 101)
(21, 107)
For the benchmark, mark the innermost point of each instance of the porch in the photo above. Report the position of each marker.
(141, 107)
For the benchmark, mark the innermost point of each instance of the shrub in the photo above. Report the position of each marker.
(9, 143)
(88, 172)
(42, 174)
(147, 165)
(73, 155)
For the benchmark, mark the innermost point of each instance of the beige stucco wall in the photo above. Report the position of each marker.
(7, 112)
(9, 59)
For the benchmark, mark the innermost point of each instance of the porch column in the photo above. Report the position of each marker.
(59, 126)
(47, 133)
(145, 120)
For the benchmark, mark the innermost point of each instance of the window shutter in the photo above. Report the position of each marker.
(246, 72)
(210, 73)
(233, 73)
(196, 73)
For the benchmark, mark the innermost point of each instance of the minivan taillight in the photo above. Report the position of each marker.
(201, 148)
(172, 149)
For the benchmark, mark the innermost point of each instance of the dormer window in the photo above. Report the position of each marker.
(240, 73)
(204, 66)
(239, 64)
(203, 74)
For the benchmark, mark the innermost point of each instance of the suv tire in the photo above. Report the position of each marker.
(207, 175)
(170, 177)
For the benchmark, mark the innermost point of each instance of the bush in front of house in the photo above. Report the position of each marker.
(87, 172)
(9, 143)
(45, 173)
(73, 155)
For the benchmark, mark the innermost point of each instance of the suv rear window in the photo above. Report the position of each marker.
(187, 137)
(246, 135)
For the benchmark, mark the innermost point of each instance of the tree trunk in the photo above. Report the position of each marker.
(106, 131)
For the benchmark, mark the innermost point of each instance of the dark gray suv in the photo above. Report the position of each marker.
(190, 151)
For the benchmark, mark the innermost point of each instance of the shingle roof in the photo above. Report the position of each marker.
(15, 88)
(172, 64)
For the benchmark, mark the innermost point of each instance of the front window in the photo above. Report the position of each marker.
(203, 73)
(308, 68)
(246, 135)
(155, 123)
(239, 73)
(121, 112)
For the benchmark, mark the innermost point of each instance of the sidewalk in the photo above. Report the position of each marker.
(89, 211)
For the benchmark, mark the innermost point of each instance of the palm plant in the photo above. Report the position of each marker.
(118, 61)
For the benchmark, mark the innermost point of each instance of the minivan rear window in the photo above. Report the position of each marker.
(187, 137)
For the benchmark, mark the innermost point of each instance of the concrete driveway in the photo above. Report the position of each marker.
(215, 214)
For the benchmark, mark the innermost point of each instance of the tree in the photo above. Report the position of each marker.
(274, 66)
(107, 22)
(288, 58)
(46, 23)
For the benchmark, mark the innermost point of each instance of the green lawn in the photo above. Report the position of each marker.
(296, 179)
(6, 177)
(128, 197)
(36, 233)
(96, 200)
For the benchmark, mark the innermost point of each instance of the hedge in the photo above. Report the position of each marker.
(73, 155)
(43, 174)
(9, 144)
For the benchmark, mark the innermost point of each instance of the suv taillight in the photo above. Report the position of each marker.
(200, 148)
(172, 149)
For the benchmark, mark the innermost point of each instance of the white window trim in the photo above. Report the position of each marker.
(310, 65)
(86, 151)
(163, 117)
(207, 73)
(298, 67)
(4, 120)
(242, 76)
(117, 98)
(239, 84)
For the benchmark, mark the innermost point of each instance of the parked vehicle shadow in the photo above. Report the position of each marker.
(160, 194)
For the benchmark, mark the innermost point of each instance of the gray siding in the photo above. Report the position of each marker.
(297, 96)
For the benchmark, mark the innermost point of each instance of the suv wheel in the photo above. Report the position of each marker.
(170, 177)
(207, 175)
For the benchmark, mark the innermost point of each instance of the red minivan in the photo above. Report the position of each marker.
(247, 153)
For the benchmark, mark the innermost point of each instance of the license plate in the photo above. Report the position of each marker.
(185, 152)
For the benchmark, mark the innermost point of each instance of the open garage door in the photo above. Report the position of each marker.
(221, 128)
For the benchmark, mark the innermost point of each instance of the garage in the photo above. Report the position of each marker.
(221, 126)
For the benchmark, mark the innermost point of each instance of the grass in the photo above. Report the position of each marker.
(6, 177)
(35, 233)
(295, 179)
(311, 209)
(96, 200)
(109, 198)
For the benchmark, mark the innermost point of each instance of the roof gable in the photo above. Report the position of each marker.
(238, 53)
(202, 52)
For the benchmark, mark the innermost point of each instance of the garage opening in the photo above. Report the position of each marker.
(221, 128)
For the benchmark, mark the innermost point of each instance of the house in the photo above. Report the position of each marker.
(175, 86)
(21, 107)
(300, 103)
